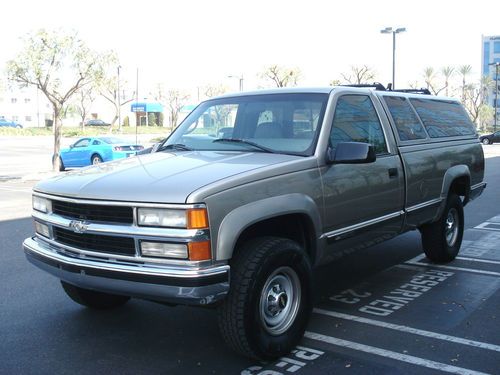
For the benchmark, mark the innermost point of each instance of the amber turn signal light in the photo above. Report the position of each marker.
(199, 250)
(197, 218)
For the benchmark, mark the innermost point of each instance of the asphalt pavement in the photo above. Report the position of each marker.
(382, 310)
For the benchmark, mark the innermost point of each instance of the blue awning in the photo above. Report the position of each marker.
(146, 107)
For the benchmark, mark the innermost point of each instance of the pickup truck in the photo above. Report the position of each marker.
(250, 193)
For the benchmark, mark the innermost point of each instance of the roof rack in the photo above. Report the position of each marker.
(380, 87)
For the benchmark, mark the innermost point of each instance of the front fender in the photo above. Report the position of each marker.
(234, 223)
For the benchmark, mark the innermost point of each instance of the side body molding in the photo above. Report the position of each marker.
(235, 222)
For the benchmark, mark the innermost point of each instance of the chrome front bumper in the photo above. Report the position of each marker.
(199, 286)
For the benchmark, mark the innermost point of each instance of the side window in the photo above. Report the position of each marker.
(443, 118)
(96, 143)
(82, 142)
(405, 119)
(356, 120)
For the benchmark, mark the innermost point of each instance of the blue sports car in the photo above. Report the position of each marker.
(87, 151)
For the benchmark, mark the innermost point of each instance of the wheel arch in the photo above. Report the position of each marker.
(292, 216)
(456, 180)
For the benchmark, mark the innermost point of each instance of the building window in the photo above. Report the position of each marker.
(15, 118)
(27, 100)
(27, 118)
(13, 100)
(496, 47)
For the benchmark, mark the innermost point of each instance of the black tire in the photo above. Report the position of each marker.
(95, 159)
(62, 168)
(441, 239)
(486, 141)
(259, 274)
(92, 298)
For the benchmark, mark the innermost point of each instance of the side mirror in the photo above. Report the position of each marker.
(351, 153)
(71, 145)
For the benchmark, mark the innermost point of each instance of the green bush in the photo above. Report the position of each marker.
(151, 119)
(126, 121)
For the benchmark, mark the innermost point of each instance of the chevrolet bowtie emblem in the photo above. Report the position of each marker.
(78, 226)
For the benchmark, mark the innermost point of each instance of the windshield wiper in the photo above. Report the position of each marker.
(175, 146)
(245, 142)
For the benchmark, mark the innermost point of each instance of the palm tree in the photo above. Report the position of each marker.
(447, 72)
(464, 71)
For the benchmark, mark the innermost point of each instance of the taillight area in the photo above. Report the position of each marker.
(118, 148)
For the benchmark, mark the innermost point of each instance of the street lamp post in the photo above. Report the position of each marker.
(496, 64)
(119, 104)
(240, 79)
(389, 30)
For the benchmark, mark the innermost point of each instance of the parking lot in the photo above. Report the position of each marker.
(382, 310)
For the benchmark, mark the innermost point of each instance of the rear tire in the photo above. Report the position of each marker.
(268, 306)
(95, 159)
(92, 298)
(486, 141)
(441, 239)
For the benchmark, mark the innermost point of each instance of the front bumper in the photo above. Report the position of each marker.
(200, 286)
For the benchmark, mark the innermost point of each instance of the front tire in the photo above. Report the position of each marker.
(93, 299)
(486, 141)
(442, 239)
(268, 306)
(62, 168)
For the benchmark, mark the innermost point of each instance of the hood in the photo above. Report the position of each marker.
(160, 177)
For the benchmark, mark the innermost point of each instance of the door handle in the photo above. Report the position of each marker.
(393, 172)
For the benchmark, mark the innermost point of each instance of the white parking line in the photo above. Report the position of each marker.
(415, 261)
(406, 329)
(479, 260)
(390, 354)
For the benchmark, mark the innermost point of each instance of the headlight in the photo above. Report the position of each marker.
(41, 204)
(195, 218)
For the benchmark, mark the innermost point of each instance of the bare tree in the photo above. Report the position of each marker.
(213, 90)
(359, 75)
(281, 76)
(175, 100)
(475, 97)
(59, 65)
(431, 79)
(82, 102)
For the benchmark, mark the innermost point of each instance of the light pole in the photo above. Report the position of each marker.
(119, 104)
(496, 64)
(241, 80)
(389, 30)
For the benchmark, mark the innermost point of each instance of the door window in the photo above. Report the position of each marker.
(82, 142)
(356, 120)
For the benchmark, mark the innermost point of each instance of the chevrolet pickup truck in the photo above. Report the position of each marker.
(250, 193)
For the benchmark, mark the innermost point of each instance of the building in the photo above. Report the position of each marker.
(491, 55)
(27, 106)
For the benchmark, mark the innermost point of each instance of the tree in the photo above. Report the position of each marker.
(281, 76)
(84, 98)
(464, 71)
(108, 87)
(447, 72)
(431, 80)
(175, 100)
(359, 75)
(211, 91)
(59, 65)
(475, 98)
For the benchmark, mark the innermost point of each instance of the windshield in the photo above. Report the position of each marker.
(282, 123)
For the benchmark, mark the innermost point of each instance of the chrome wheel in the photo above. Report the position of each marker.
(486, 141)
(451, 227)
(96, 160)
(280, 300)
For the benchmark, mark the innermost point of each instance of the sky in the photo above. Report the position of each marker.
(188, 44)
